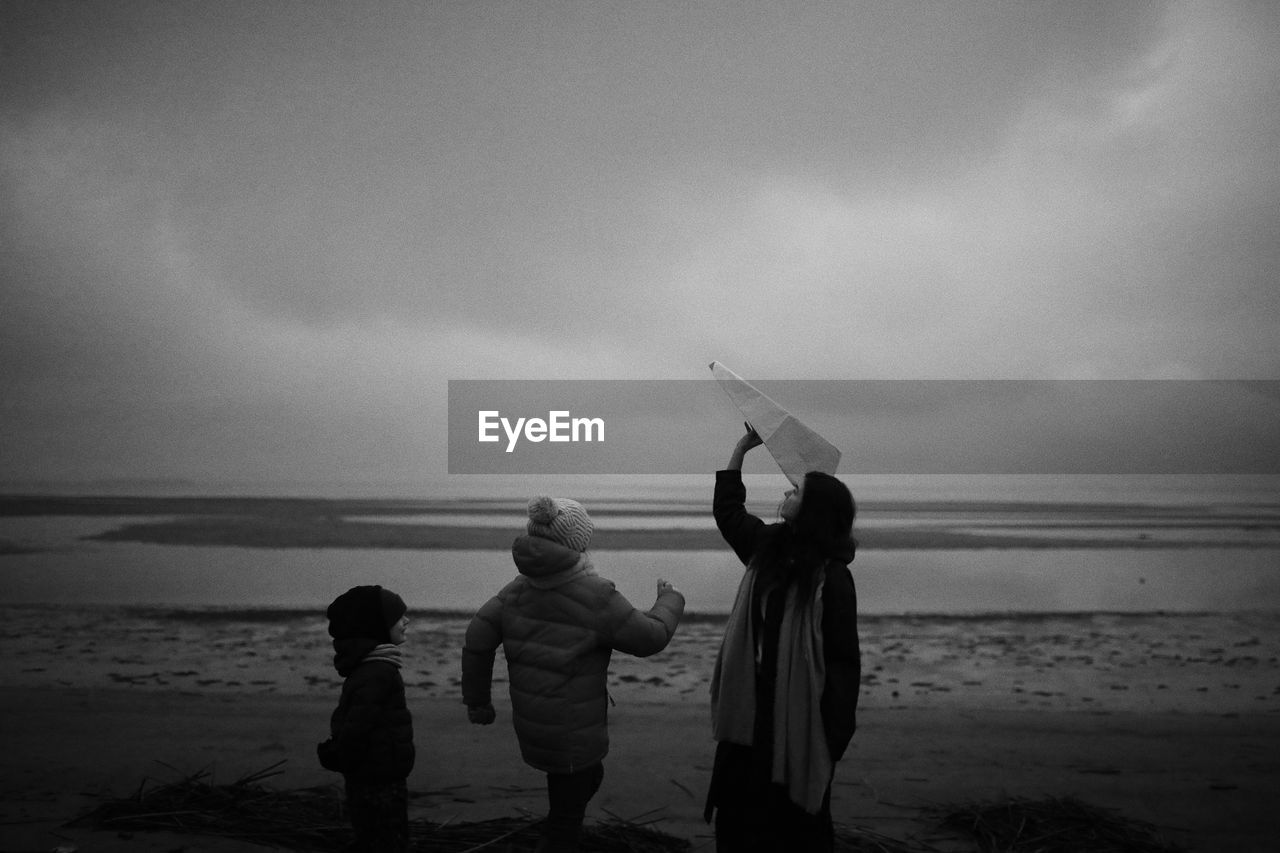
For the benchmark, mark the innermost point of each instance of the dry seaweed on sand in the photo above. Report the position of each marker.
(306, 818)
(311, 819)
(1052, 825)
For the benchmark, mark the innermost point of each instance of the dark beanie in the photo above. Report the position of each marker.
(393, 607)
(365, 612)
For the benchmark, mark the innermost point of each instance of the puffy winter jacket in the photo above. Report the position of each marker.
(371, 729)
(558, 623)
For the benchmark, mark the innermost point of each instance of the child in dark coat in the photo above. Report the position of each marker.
(371, 730)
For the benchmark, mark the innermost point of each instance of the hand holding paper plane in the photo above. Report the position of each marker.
(796, 448)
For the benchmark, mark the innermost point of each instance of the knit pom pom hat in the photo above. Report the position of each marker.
(365, 612)
(560, 520)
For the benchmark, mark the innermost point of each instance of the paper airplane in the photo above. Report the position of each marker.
(796, 448)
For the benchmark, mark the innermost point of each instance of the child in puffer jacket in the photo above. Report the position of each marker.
(371, 730)
(558, 623)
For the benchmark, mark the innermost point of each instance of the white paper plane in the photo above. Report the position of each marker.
(796, 448)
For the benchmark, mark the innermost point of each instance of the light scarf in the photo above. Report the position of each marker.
(801, 760)
(386, 652)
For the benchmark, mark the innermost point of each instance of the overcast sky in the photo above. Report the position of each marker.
(254, 240)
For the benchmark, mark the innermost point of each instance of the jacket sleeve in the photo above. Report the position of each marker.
(640, 633)
(740, 529)
(483, 637)
(843, 659)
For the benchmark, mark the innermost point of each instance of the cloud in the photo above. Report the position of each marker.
(250, 238)
(1118, 227)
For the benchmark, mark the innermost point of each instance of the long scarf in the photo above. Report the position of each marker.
(801, 760)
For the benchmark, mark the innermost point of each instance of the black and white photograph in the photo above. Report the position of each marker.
(666, 425)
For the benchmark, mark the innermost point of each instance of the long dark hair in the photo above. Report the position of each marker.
(822, 529)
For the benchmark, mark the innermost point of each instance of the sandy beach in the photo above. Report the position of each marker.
(1169, 719)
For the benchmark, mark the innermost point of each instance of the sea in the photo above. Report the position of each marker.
(1185, 544)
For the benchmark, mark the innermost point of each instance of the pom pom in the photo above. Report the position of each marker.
(543, 509)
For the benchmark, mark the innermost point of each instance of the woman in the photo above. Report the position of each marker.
(785, 688)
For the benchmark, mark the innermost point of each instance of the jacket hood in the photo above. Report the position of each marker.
(546, 563)
(349, 652)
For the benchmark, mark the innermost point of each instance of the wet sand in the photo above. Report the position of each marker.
(1171, 719)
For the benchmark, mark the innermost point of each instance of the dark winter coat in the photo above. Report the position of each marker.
(558, 623)
(371, 730)
(746, 534)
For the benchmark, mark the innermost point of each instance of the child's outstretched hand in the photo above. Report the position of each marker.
(481, 715)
